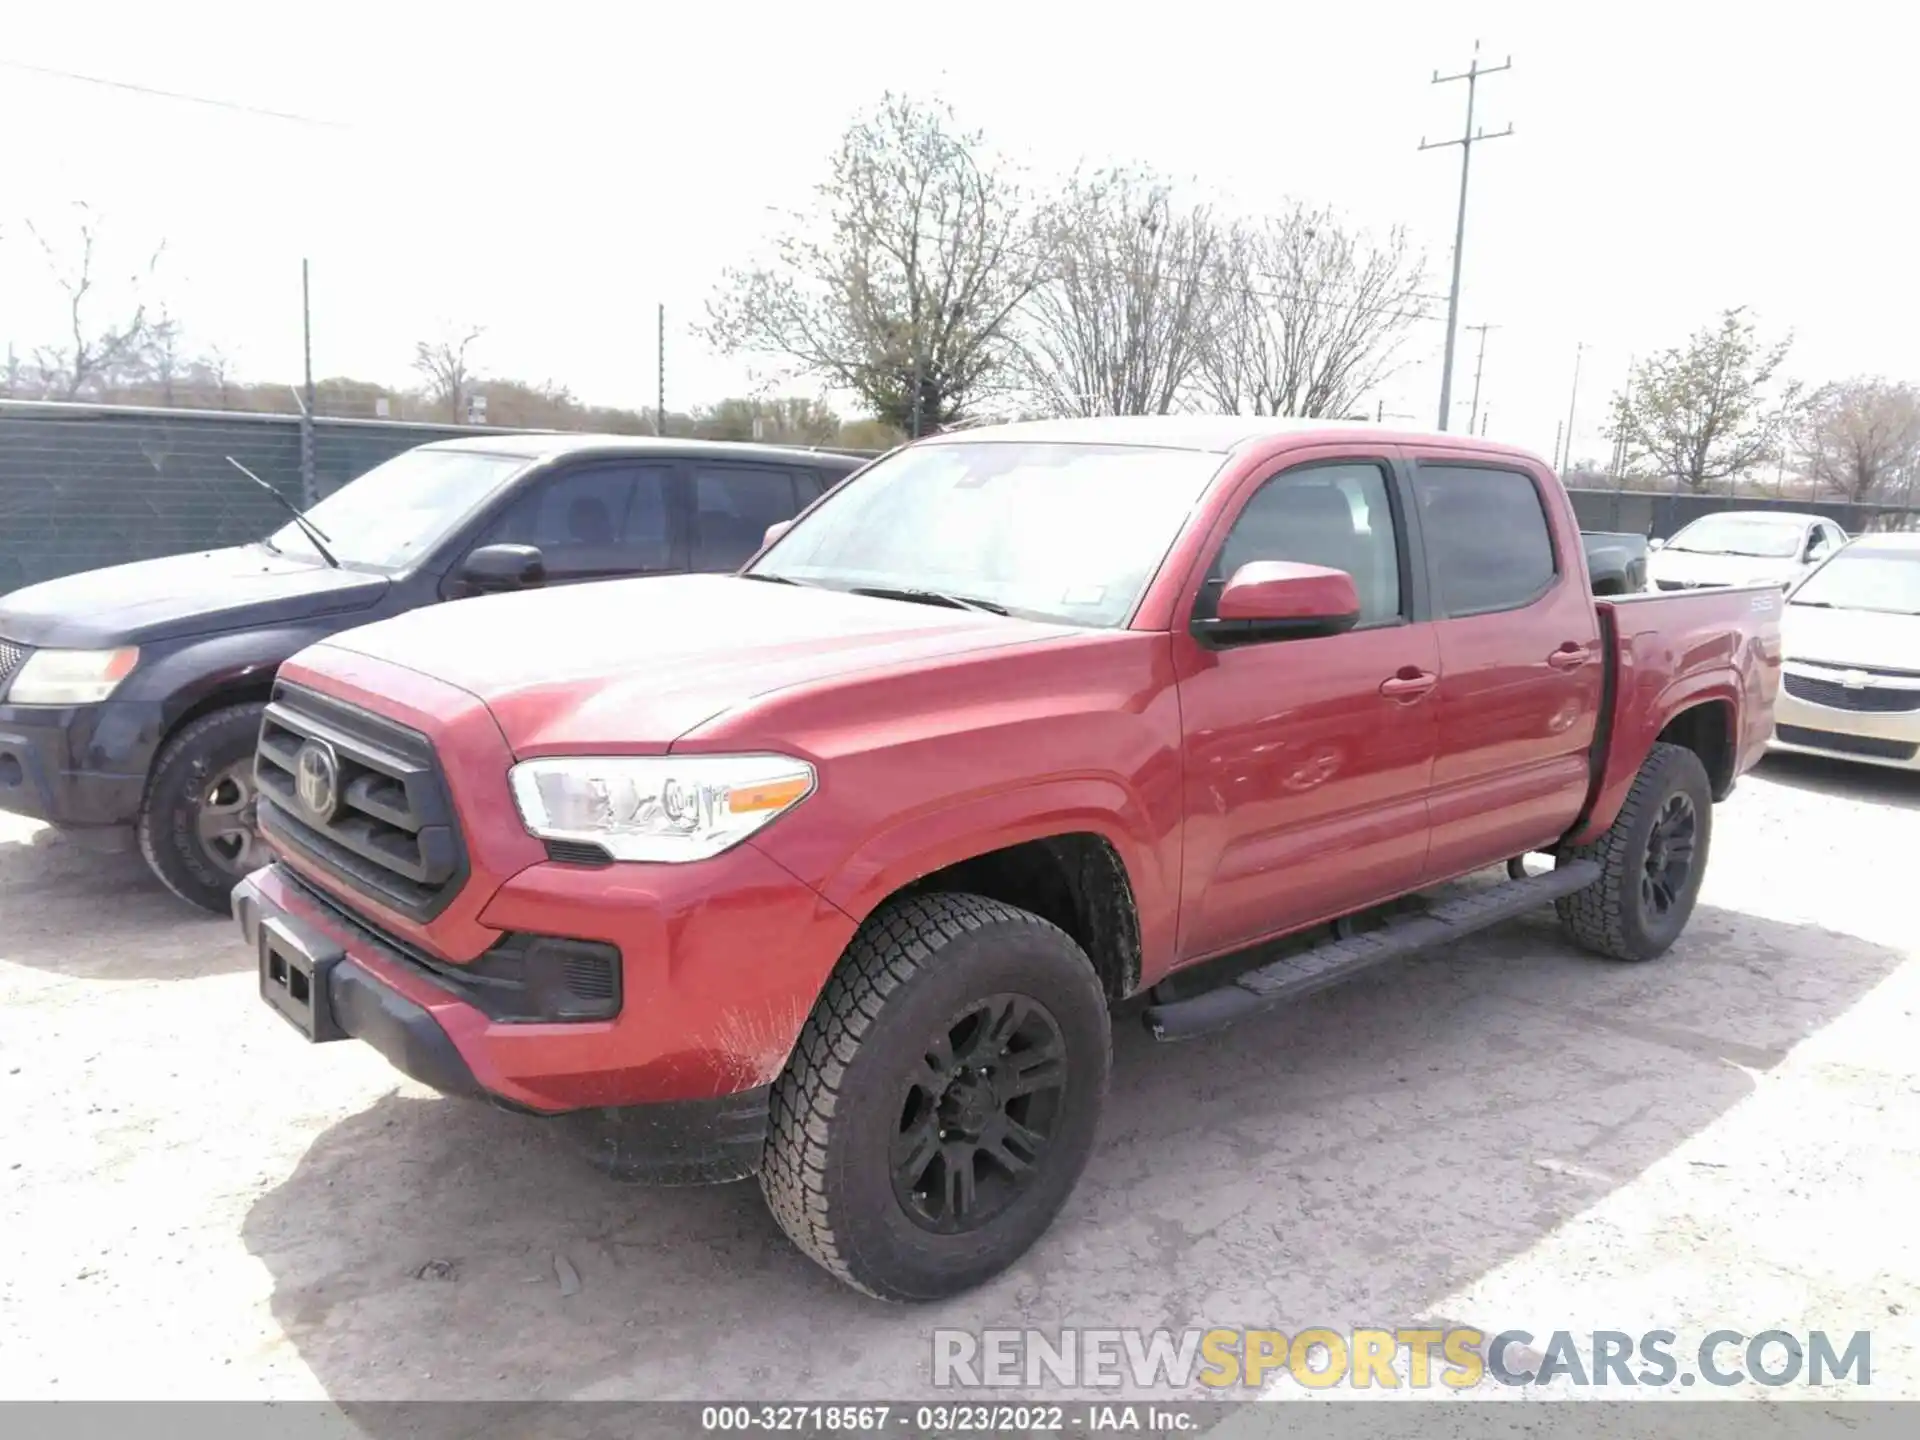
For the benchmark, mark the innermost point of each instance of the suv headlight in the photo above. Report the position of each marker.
(657, 807)
(71, 677)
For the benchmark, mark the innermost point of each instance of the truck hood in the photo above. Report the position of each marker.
(632, 665)
(1843, 638)
(181, 595)
(1698, 568)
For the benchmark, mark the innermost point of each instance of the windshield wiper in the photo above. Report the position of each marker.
(929, 597)
(312, 531)
(1813, 604)
(768, 579)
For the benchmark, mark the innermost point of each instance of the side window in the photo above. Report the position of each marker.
(1486, 536)
(608, 519)
(732, 507)
(1333, 515)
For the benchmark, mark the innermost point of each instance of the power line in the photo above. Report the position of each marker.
(1468, 137)
(150, 90)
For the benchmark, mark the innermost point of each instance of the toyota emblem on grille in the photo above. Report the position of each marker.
(316, 776)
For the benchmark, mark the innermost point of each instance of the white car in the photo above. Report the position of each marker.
(1743, 547)
(1851, 640)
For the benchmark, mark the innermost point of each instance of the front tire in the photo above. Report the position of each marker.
(197, 825)
(1652, 860)
(942, 1099)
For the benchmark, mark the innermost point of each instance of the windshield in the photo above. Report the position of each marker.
(399, 510)
(1886, 580)
(1759, 535)
(1051, 531)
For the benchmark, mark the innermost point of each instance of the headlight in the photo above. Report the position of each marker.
(71, 677)
(657, 807)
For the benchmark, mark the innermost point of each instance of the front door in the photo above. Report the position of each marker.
(1520, 661)
(1308, 761)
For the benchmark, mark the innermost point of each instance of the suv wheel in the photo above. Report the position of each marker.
(1652, 861)
(942, 1099)
(197, 825)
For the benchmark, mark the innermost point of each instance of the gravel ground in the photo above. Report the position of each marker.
(1506, 1134)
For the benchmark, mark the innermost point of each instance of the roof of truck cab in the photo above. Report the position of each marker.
(546, 446)
(1217, 433)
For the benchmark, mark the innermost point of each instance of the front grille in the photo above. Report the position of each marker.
(1866, 745)
(521, 978)
(387, 827)
(1868, 699)
(12, 656)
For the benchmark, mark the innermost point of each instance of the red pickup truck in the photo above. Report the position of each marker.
(830, 870)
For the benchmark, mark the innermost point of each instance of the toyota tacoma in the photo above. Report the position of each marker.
(830, 870)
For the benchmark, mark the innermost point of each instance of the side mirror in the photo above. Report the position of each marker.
(504, 567)
(1281, 600)
(1655, 544)
(774, 532)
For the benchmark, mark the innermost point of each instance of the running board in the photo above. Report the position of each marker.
(1338, 960)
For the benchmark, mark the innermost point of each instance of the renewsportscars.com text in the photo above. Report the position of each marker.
(1412, 1358)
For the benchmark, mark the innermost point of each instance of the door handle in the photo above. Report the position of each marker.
(1567, 657)
(1408, 685)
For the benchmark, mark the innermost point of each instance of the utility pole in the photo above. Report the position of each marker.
(1620, 431)
(1558, 429)
(309, 481)
(1573, 399)
(1468, 138)
(660, 375)
(1483, 420)
(1479, 364)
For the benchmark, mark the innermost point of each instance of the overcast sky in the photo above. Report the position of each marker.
(554, 172)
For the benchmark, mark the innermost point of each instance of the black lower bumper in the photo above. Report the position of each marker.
(678, 1142)
(84, 766)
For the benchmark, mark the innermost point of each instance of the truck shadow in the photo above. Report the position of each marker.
(93, 916)
(1352, 1161)
(1870, 784)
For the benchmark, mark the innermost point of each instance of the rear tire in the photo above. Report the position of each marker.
(942, 1099)
(197, 826)
(1652, 860)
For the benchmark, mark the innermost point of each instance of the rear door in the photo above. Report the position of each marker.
(597, 521)
(1520, 660)
(1308, 761)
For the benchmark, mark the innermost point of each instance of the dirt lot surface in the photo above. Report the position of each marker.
(1507, 1134)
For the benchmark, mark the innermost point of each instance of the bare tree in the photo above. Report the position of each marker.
(1703, 411)
(1118, 319)
(1310, 316)
(92, 356)
(900, 286)
(1861, 437)
(444, 365)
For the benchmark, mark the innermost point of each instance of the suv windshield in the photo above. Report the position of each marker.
(399, 510)
(1051, 531)
(1758, 535)
(1866, 579)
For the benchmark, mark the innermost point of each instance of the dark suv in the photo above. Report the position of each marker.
(130, 697)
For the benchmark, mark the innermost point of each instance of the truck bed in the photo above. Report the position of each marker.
(1669, 651)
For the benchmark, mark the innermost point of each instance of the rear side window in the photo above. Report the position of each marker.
(732, 507)
(1486, 537)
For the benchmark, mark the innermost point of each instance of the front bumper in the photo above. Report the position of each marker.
(371, 992)
(83, 765)
(1886, 739)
